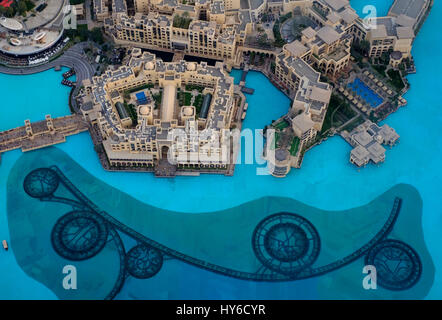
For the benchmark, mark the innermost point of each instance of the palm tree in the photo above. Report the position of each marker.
(365, 46)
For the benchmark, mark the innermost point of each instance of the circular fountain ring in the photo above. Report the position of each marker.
(286, 243)
(42, 182)
(143, 261)
(79, 235)
(398, 266)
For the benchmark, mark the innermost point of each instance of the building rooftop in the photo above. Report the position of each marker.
(405, 33)
(337, 4)
(296, 48)
(410, 8)
(349, 15)
(328, 35)
(308, 32)
(303, 122)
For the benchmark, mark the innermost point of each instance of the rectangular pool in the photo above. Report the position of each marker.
(365, 93)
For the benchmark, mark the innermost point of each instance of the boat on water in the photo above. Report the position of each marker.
(5, 244)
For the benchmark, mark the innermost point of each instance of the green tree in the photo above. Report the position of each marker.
(364, 45)
(96, 35)
(10, 12)
(22, 8)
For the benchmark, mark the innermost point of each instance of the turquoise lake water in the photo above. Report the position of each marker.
(24, 97)
(382, 6)
(327, 179)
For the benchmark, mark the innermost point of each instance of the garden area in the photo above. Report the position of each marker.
(281, 125)
(132, 111)
(256, 59)
(82, 33)
(338, 113)
(182, 22)
(17, 8)
(294, 146)
(395, 79)
(292, 28)
(157, 97)
(191, 87)
(139, 88)
(185, 97)
(279, 41)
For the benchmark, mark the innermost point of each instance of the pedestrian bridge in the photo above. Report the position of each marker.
(41, 134)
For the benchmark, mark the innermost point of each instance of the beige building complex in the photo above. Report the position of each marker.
(165, 128)
(209, 28)
(327, 49)
(218, 28)
(307, 114)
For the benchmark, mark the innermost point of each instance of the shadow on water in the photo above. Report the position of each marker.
(59, 214)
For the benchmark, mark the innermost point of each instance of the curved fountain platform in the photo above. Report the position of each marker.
(59, 214)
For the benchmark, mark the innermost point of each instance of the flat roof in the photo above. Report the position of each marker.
(328, 35)
(411, 8)
(296, 48)
(11, 24)
(337, 4)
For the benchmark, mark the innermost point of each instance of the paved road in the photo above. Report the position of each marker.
(74, 58)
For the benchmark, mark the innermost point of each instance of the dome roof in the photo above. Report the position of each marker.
(191, 66)
(281, 154)
(150, 65)
(396, 55)
(188, 111)
(144, 110)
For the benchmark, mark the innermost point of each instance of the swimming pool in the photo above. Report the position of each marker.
(365, 93)
(141, 97)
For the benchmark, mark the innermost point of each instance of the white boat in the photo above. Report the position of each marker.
(5, 244)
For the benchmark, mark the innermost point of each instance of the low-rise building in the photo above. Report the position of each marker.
(164, 128)
(367, 140)
(199, 29)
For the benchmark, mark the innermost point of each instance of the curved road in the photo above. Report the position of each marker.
(74, 58)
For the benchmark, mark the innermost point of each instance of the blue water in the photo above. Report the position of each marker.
(326, 180)
(381, 7)
(141, 97)
(365, 93)
(23, 97)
